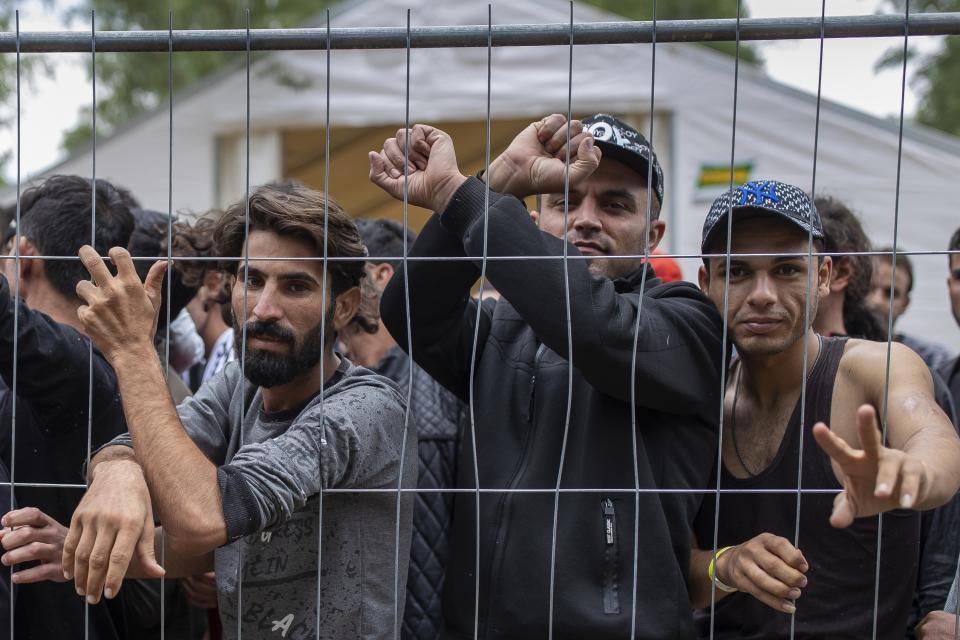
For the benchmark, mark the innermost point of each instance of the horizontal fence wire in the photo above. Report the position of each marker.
(624, 256)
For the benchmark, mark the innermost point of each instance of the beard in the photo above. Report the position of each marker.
(268, 369)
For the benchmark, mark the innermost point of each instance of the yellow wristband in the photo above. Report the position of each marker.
(711, 570)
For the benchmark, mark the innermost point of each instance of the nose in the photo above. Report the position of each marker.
(263, 304)
(763, 293)
(586, 218)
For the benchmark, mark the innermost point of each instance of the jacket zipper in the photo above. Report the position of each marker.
(611, 559)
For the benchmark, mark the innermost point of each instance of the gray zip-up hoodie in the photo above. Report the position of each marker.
(271, 471)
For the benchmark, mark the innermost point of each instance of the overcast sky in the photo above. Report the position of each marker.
(52, 104)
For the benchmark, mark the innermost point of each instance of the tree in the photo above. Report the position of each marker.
(136, 82)
(29, 65)
(935, 74)
(686, 10)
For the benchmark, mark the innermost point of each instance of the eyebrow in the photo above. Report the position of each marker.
(609, 193)
(295, 275)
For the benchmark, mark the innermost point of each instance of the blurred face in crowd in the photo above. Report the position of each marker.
(284, 337)
(355, 339)
(879, 299)
(953, 284)
(768, 295)
(606, 217)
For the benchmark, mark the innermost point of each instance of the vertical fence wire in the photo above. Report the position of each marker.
(569, 323)
(807, 320)
(16, 325)
(724, 337)
(476, 325)
(893, 280)
(323, 313)
(246, 277)
(636, 333)
(397, 614)
(166, 342)
(93, 243)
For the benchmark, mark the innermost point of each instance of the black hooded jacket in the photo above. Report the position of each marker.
(520, 408)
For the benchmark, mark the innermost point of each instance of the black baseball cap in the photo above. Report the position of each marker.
(762, 197)
(620, 141)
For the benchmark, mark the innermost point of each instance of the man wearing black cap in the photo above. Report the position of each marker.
(628, 399)
(850, 474)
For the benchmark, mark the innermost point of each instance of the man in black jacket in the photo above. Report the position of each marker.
(615, 391)
(54, 425)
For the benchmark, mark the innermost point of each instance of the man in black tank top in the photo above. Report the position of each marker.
(775, 439)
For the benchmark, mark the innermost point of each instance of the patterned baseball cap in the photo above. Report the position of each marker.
(759, 197)
(620, 141)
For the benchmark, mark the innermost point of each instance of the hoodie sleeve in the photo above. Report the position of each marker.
(352, 440)
(54, 370)
(443, 316)
(678, 330)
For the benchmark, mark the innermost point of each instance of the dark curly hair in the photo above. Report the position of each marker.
(843, 234)
(292, 209)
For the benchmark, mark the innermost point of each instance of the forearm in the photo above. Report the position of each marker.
(175, 564)
(939, 451)
(700, 582)
(442, 313)
(676, 341)
(182, 481)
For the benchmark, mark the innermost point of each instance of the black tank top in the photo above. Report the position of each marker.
(838, 599)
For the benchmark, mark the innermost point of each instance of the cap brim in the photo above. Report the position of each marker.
(748, 212)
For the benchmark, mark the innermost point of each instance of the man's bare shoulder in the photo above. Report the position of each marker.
(864, 363)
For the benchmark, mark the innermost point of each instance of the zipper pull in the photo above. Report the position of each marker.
(530, 403)
(608, 520)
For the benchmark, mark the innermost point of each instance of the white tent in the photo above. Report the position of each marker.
(857, 155)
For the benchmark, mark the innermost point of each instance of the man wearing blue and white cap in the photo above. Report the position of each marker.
(772, 298)
(642, 377)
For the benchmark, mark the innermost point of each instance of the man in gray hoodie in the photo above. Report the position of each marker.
(238, 473)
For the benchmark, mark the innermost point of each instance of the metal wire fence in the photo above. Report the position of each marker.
(490, 36)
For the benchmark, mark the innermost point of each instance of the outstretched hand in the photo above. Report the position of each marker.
(875, 478)
(535, 161)
(119, 310)
(421, 160)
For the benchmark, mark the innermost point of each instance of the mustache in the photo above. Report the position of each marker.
(269, 330)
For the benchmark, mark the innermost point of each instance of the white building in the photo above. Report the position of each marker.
(693, 125)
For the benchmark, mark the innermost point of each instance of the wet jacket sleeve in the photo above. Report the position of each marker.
(678, 345)
(53, 369)
(443, 315)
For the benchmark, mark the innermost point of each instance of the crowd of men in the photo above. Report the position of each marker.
(312, 426)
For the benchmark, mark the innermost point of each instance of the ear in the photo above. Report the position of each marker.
(535, 216)
(381, 274)
(842, 272)
(823, 274)
(346, 306)
(655, 233)
(29, 269)
(704, 277)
